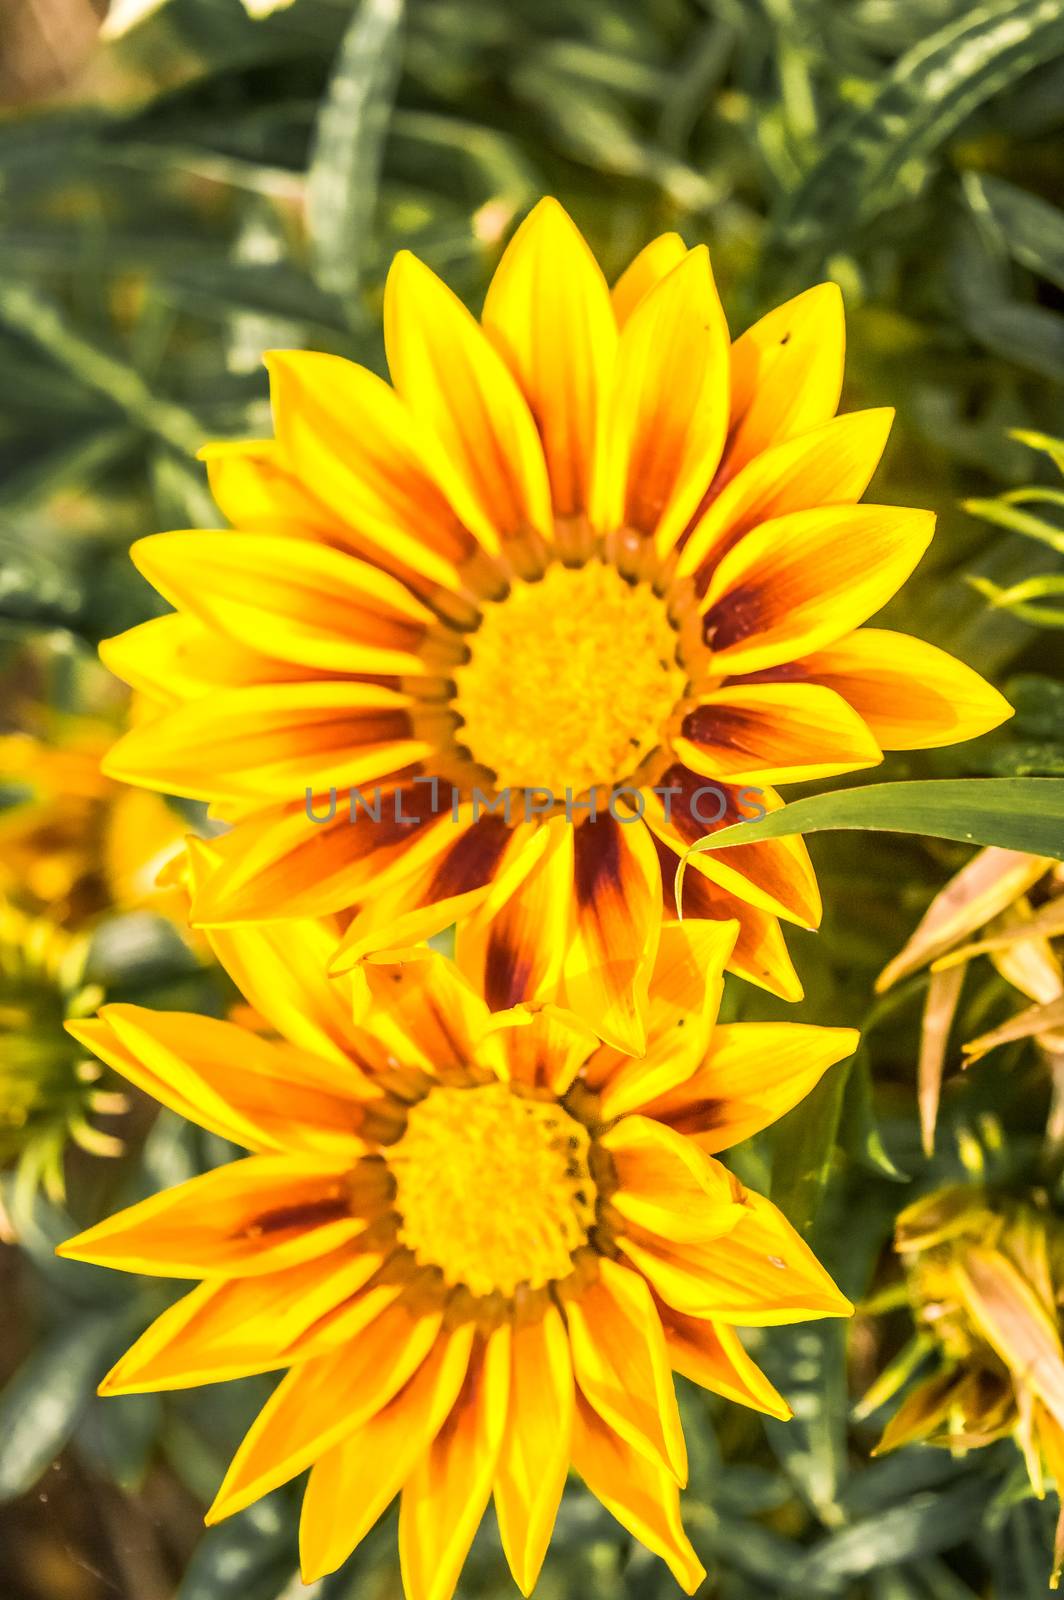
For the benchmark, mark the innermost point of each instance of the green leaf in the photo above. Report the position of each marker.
(1031, 230)
(43, 1402)
(877, 155)
(348, 147)
(1015, 813)
(803, 1145)
(250, 1557)
(922, 1526)
(807, 1364)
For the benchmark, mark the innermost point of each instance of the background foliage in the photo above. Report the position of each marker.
(209, 185)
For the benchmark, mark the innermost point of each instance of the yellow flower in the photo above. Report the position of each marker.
(481, 1245)
(986, 1282)
(74, 843)
(587, 545)
(47, 1092)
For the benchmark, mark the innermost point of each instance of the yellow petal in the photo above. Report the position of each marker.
(321, 1402)
(712, 1355)
(830, 465)
(667, 1185)
(786, 373)
(759, 954)
(621, 1366)
(513, 948)
(364, 1473)
(665, 425)
(254, 489)
(912, 695)
(424, 1011)
(458, 386)
(253, 1216)
(654, 262)
(178, 657)
(444, 1499)
(535, 1453)
(548, 311)
(753, 1073)
(775, 733)
(802, 581)
(1017, 1324)
(640, 1493)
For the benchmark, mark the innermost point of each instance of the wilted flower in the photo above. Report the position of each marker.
(986, 1281)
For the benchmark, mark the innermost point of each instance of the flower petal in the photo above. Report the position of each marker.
(667, 1185)
(232, 1327)
(712, 1355)
(445, 1497)
(912, 695)
(617, 919)
(644, 272)
(271, 742)
(775, 732)
(664, 427)
(534, 1460)
(367, 1470)
(830, 465)
(621, 1366)
(252, 1216)
(759, 1274)
(548, 311)
(513, 948)
(424, 1011)
(321, 1402)
(640, 1493)
(753, 1073)
(458, 386)
(802, 581)
(261, 1094)
(177, 657)
(786, 373)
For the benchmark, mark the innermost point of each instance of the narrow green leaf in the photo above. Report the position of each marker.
(1015, 813)
(348, 147)
(40, 1407)
(1005, 515)
(877, 155)
(1031, 229)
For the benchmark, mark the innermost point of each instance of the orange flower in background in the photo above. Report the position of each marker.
(480, 1245)
(586, 546)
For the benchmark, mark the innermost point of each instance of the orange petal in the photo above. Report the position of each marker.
(253, 1216)
(231, 1328)
(912, 695)
(654, 262)
(830, 465)
(321, 1402)
(1016, 1323)
(543, 1049)
(802, 581)
(424, 1011)
(271, 742)
(621, 1366)
(759, 1274)
(458, 386)
(786, 373)
(640, 1493)
(665, 424)
(254, 489)
(667, 1185)
(367, 1471)
(444, 1499)
(534, 1460)
(753, 1073)
(712, 1355)
(512, 948)
(548, 311)
(616, 925)
(262, 1095)
(774, 732)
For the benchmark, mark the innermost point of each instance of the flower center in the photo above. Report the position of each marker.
(570, 681)
(493, 1189)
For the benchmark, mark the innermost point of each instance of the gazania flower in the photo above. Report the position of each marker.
(74, 843)
(1009, 906)
(585, 556)
(480, 1245)
(986, 1282)
(49, 1095)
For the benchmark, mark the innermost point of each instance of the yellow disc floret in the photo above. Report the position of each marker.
(493, 1188)
(570, 681)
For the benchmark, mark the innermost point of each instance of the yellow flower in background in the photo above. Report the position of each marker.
(1009, 906)
(587, 545)
(986, 1281)
(480, 1245)
(74, 843)
(48, 1092)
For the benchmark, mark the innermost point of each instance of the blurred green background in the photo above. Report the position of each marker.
(200, 184)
